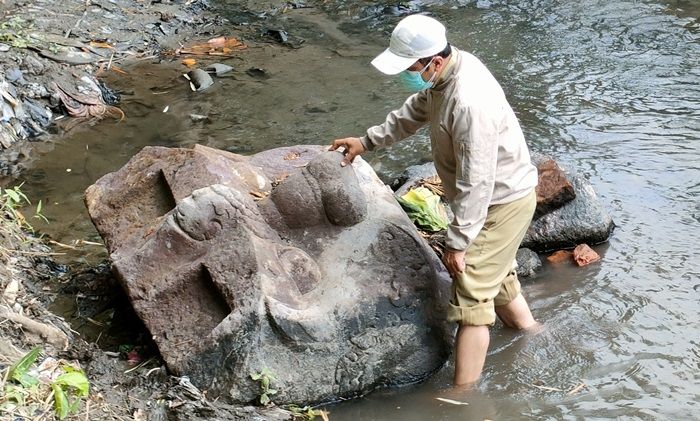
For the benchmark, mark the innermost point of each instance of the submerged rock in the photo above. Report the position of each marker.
(528, 263)
(582, 220)
(560, 221)
(284, 261)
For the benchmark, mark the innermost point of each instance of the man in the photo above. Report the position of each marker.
(480, 154)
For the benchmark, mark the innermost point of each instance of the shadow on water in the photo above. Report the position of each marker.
(610, 88)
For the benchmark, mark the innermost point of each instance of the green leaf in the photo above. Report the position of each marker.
(38, 208)
(264, 399)
(12, 195)
(21, 195)
(265, 382)
(255, 376)
(75, 380)
(18, 371)
(60, 401)
(424, 208)
(271, 391)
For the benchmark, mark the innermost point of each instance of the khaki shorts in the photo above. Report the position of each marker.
(490, 279)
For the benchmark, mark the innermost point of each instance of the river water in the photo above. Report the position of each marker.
(611, 88)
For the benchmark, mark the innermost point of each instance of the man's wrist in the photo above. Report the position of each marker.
(366, 143)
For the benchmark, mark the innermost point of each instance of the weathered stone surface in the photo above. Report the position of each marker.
(582, 220)
(321, 279)
(528, 263)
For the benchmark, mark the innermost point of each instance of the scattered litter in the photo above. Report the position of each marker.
(189, 62)
(167, 107)
(68, 170)
(452, 401)
(577, 389)
(220, 46)
(540, 385)
(283, 37)
(278, 35)
(199, 79)
(198, 117)
(4, 48)
(258, 195)
(218, 69)
(88, 103)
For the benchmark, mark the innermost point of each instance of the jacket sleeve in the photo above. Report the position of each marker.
(400, 123)
(475, 143)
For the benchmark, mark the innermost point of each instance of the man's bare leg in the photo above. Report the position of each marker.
(516, 314)
(471, 345)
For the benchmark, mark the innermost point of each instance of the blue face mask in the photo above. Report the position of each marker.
(413, 81)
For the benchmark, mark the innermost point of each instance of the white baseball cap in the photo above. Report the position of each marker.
(415, 37)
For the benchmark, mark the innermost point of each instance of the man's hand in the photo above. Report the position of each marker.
(352, 146)
(454, 261)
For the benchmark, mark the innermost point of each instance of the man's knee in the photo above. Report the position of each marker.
(479, 314)
(516, 314)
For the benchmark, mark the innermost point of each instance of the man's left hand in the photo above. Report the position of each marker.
(454, 261)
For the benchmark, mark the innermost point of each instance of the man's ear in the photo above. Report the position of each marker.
(439, 61)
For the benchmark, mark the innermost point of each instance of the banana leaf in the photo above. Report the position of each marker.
(424, 208)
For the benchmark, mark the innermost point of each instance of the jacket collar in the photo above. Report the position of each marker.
(448, 72)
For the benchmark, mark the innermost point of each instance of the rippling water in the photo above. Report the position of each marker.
(611, 88)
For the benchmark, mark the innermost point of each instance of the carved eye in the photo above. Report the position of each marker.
(200, 216)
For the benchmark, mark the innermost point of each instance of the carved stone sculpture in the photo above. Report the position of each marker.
(283, 261)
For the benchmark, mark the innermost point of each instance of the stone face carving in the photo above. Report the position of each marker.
(284, 260)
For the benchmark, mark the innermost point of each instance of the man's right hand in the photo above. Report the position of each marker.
(352, 146)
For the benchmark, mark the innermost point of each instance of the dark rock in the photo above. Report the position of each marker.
(37, 112)
(32, 65)
(412, 175)
(321, 279)
(14, 75)
(582, 220)
(528, 263)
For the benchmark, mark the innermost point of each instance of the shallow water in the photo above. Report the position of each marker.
(611, 88)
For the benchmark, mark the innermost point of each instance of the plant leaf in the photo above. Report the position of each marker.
(60, 401)
(12, 195)
(255, 376)
(264, 399)
(75, 380)
(19, 369)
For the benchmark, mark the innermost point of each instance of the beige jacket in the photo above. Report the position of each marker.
(478, 147)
